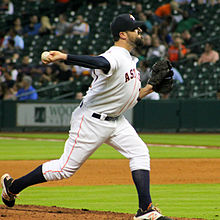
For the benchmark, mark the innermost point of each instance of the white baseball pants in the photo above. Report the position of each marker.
(87, 134)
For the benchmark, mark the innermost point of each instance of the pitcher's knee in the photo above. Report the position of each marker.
(54, 170)
(52, 175)
(140, 163)
(66, 173)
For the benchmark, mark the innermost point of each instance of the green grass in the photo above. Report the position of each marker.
(172, 152)
(36, 135)
(184, 200)
(46, 150)
(30, 150)
(187, 139)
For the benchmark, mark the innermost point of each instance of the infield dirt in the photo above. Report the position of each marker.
(108, 172)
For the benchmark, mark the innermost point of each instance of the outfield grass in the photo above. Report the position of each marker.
(187, 139)
(184, 200)
(46, 150)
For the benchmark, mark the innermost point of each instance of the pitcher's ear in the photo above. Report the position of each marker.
(123, 35)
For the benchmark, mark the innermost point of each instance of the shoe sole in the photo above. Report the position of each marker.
(160, 218)
(6, 202)
(153, 215)
(3, 183)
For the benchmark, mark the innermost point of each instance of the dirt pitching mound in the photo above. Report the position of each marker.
(108, 172)
(29, 212)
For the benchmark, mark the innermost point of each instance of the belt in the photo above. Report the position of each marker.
(106, 118)
(102, 116)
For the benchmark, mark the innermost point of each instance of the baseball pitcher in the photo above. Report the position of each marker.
(99, 117)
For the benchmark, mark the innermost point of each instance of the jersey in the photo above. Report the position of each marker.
(114, 92)
(82, 28)
(111, 94)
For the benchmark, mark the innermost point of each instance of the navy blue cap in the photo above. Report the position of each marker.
(124, 22)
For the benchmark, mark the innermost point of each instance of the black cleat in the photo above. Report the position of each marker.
(7, 197)
(151, 213)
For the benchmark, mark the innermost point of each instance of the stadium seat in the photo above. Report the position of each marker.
(196, 78)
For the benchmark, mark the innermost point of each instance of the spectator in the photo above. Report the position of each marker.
(157, 49)
(209, 55)
(80, 27)
(6, 7)
(164, 30)
(12, 71)
(210, 2)
(6, 92)
(183, 2)
(15, 58)
(177, 76)
(79, 71)
(8, 79)
(169, 24)
(144, 68)
(26, 87)
(7, 85)
(191, 45)
(18, 40)
(152, 96)
(46, 27)
(62, 72)
(25, 68)
(47, 76)
(33, 27)
(166, 10)
(188, 23)
(79, 96)
(138, 10)
(127, 2)
(177, 50)
(63, 27)
(17, 26)
(148, 26)
(9, 49)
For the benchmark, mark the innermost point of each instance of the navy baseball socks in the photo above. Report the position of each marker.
(11, 188)
(146, 209)
(141, 180)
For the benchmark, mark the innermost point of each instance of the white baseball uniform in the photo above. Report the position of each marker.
(110, 95)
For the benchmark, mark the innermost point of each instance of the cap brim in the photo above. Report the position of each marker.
(137, 24)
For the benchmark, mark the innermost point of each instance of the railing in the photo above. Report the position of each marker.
(66, 83)
(204, 94)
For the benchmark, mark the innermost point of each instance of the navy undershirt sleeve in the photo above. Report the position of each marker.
(92, 62)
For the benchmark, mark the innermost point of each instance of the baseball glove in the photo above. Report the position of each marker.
(161, 77)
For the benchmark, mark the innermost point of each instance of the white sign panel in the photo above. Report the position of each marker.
(49, 115)
(42, 114)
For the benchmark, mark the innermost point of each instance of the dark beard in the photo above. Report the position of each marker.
(139, 42)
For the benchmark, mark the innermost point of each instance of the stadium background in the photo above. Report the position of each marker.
(198, 91)
(185, 167)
